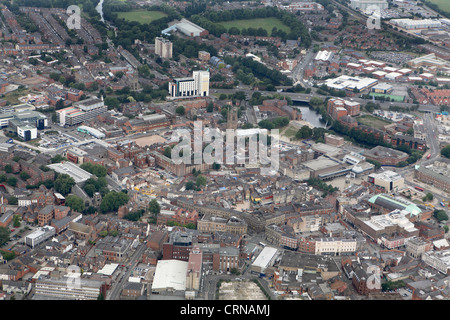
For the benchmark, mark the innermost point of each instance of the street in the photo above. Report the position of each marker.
(116, 288)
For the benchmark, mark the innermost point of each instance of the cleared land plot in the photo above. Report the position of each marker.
(240, 290)
(141, 16)
(149, 140)
(265, 23)
(373, 122)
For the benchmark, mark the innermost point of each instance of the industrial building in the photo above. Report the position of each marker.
(170, 276)
(365, 5)
(264, 260)
(345, 82)
(410, 24)
(93, 132)
(67, 167)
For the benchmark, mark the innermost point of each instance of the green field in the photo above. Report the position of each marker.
(141, 16)
(390, 96)
(373, 122)
(443, 4)
(265, 23)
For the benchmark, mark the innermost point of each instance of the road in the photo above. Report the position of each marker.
(306, 97)
(116, 289)
(297, 72)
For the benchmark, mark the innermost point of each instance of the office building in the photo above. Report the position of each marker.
(389, 180)
(81, 111)
(40, 235)
(195, 86)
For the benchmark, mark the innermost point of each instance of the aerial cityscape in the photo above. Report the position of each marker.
(213, 150)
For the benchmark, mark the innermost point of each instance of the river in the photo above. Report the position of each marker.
(311, 116)
(99, 9)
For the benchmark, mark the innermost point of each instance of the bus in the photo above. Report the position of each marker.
(262, 244)
(418, 188)
(442, 204)
(428, 156)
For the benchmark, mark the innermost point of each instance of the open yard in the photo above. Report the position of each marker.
(265, 23)
(373, 122)
(141, 16)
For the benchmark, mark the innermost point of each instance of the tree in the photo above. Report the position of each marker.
(112, 201)
(12, 181)
(168, 152)
(201, 181)
(440, 215)
(8, 168)
(75, 203)
(428, 197)
(58, 158)
(13, 201)
(189, 185)
(64, 183)
(445, 152)
(16, 221)
(24, 176)
(180, 110)
(4, 235)
(154, 207)
(96, 169)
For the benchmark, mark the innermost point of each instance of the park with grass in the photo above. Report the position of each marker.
(266, 23)
(141, 16)
(442, 4)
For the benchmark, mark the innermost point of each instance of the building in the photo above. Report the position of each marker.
(334, 140)
(383, 88)
(64, 288)
(39, 235)
(417, 247)
(92, 131)
(71, 169)
(212, 224)
(386, 156)
(163, 47)
(204, 56)
(170, 276)
(190, 29)
(412, 24)
(365, 5)
(264, 260)
(389, 180)
(194, 269)
(335, 246)
(389, 225)
(350, 83)
(436, 175)
(24, 124)
(195, 86)
(81, 111)
(439, 260)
